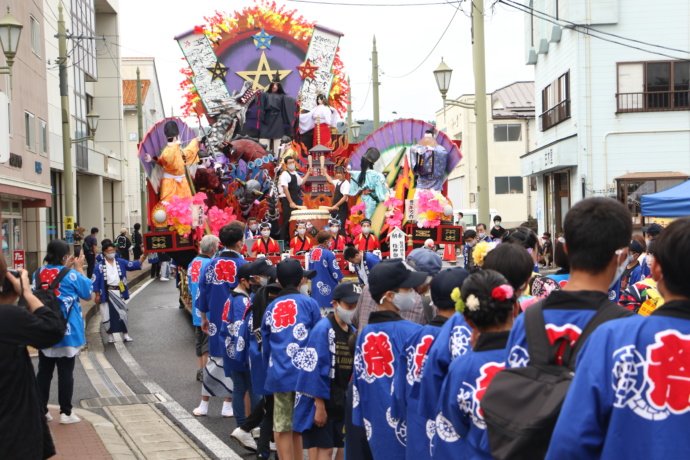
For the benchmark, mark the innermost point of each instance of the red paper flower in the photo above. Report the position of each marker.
(502, 292)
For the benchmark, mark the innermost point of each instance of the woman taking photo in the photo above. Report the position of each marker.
(110, 286)
(23, 431)
(71, 287)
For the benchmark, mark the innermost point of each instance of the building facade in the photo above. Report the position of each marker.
(25, 191)
(613, 120)
(510, 134)
(152, 113)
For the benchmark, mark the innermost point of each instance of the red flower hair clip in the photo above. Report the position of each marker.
(502, 292)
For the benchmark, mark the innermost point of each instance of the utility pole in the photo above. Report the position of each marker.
(348, 131)
(142, 174)
(483, 214)
(375, 82)
(68, 172)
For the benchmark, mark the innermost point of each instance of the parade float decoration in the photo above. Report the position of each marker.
(254, 76)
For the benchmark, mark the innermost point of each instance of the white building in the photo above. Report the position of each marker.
(614, 121)
(94, 83)
(510, 134)
(152, 113)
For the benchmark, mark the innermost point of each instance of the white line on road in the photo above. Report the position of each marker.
(186, 419)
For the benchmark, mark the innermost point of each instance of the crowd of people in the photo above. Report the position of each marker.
(400, 364)
(493, 360)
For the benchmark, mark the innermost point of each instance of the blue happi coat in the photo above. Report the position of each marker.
(452, 341)
(460, 425)
(250, 355)
(368, 262)
(630, 398)
(230, 332)
(195, 271)
(406, 397)
(71, 288)
(98, 277)
(285, 330)
(316, 382)
(379, 345)
(565, 313)
(218, 279)
(328, 275)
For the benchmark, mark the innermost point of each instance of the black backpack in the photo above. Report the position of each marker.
(521, 405)
(46, 294)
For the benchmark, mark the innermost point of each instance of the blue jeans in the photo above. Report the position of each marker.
(241, 384)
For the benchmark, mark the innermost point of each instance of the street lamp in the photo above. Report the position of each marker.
(355, 127)
(10, 30)
(442, 75)
(92, 119)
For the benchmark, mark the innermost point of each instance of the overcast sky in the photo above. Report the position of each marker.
(404, 36)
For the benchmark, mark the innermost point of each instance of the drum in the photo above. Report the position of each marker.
(316, 220)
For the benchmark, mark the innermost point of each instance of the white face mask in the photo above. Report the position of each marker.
(345, 315)
(110, 256)
(366, 230)
(304, 289)
(649, 241)
(471, 243)
(266, 233)
(648, 260)
(481, 235)
(253, 227)
(292, 166)
(263, 281)
(335, 229)
(404, 302)
(301, 231)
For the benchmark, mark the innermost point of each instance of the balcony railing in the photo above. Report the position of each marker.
(555, 115)
(654, 101)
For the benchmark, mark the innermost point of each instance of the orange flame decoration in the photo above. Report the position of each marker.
(271, 17)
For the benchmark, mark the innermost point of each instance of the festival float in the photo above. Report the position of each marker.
(270, 83)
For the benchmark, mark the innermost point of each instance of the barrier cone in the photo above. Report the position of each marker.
(449, 254)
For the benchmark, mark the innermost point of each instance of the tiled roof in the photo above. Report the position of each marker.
(129, 91)
(514, 100)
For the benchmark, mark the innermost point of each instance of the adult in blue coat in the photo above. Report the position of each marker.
(362, 260)
(110, 285)
(73, 286)
(328, 274)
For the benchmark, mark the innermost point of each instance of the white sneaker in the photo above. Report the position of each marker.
(127, 338)
(245, 439)
(227, 410)
(273, 447)
(165, 279)
(67, 419)
(111, 338)
(256, 432)
(49, 418)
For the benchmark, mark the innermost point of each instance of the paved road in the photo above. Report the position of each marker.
(164, 348)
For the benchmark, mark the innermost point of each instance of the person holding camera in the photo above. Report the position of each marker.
(24, 430)
(72, 285)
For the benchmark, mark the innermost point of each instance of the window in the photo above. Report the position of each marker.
(43, 137)
(555, 102)
(508, 185)
(35, 36)
(653, 86)
(30, 131)
(630, 190)
(11, 230)
(507, 132)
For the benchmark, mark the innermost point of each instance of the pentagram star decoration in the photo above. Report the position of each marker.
(307, 70)
(262, 70)
(218, 71)
(262, 40)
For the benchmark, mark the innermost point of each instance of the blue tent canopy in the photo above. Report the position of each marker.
(672, 202)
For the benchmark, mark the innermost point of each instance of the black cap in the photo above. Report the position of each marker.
(245, 271)
(443, 284)
(653, 230)
(347, 292)
(636, 247)
(171, 130)
(309, 274)
(391, 274)
(290, 272)
(264, 267)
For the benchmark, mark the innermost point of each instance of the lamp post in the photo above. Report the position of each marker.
(92, 119)
(354, 128)
(10, 30)
(443, 74)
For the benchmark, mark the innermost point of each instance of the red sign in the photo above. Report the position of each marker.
(19, 260)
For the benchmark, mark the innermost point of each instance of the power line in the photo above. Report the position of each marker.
(588, 31)
(366, 97)
(432, 49)
(316, 2)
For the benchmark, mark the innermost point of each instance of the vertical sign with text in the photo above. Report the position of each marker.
(397, 244)
(321, 53)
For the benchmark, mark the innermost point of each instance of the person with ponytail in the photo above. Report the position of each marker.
(489, 304)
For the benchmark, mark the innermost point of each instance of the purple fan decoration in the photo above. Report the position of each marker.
(155, 141)
(404, 133)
